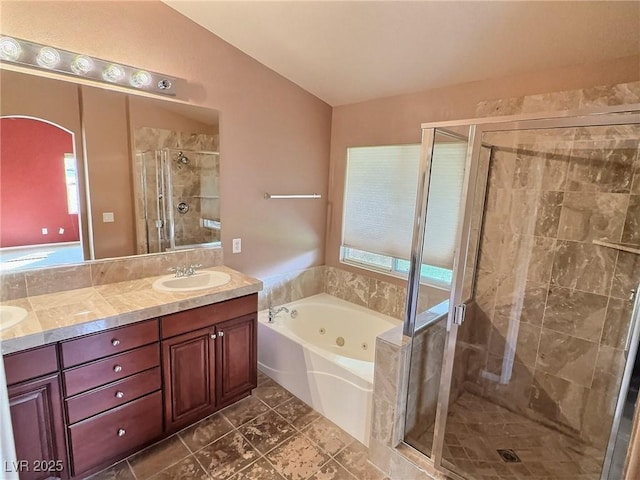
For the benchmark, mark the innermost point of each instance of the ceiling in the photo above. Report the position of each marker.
(349, 51)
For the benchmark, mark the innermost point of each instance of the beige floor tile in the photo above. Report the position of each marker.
(355, 459)
(227, 456)
(271, 393)
(327, 435)
(267, 431)
(259, 470)
(332, 470)
(187, 469)
(157, 457)
(244, 410)
(297, 458)
(296, 412)
(205, 431)
(119, 471)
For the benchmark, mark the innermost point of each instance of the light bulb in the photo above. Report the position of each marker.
(48, 57)
(81, 65)
(113, 73)
(10, 49)
(141, 79)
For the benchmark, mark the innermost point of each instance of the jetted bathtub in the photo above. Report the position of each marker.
(324, 354)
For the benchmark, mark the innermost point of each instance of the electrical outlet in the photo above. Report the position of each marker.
(236, 245)
(107, 217)
(45, 231)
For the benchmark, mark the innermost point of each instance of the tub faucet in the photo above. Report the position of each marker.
(275, 311)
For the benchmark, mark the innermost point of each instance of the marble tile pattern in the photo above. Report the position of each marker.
(199, 177)
(605, 95)
(251, 440)
(58, 316)
(567, 299)
(477, 428)
(31, 283)
(378, 295)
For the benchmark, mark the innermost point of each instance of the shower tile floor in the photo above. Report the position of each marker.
(270, 435)
(477, 429)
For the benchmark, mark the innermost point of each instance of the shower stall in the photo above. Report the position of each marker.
(529, 373)
(179, 199)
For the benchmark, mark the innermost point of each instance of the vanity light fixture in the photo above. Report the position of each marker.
(26, 53)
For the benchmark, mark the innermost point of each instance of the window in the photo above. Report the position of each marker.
(379, 206)
(71, 180)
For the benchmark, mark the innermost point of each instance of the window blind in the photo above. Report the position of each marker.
(380, 197)
(445, 204)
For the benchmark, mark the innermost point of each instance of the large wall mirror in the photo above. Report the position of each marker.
(89, 173)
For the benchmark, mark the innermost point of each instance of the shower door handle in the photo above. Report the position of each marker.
(635, 315)
(459, 313)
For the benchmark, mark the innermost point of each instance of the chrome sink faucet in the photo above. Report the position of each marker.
(275, 311)
(184, 271)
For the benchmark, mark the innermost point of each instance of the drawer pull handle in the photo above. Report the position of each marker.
(117, 368)
(119, 394)
(115, 342)
(221, 334)
(121, 432)
(213, 336)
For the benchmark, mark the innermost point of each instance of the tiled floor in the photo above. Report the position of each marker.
(270, 435)
(476, 429)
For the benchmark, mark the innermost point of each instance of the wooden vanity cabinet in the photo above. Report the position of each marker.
(89, 401)
(209, 359)
(112, 394)
(36, 413)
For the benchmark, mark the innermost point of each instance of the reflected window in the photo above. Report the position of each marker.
(71, 180)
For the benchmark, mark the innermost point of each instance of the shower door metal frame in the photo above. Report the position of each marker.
(604, 116)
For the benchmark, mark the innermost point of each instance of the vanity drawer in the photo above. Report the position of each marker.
(30, 364)
(112, 395)
(202, 317)
(98, 345)
(107, 370)
(113, 433)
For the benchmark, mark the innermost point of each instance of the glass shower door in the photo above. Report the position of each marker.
(443, 171)
(533, 371)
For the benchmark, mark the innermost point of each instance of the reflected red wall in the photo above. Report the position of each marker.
(33, 193)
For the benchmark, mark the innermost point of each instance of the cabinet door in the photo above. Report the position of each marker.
(236, 359)
(38, 429)
(189, 377)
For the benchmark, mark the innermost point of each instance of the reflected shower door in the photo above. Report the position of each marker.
(152, 199)
(533, 377)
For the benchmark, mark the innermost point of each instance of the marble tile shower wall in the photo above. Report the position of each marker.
(377, 295)
(600, 96)
(567, 302)
(190, 182)
(100, 272)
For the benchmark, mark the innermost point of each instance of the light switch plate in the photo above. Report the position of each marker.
(236, 246)
(107, 217)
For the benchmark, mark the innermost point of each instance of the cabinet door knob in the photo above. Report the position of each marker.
(121, 432)
(117, 368)
(115, 342)
(119, 394)
(213, 336)
(221, 334)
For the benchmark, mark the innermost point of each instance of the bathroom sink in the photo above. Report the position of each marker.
(198, 281)
(10, 316)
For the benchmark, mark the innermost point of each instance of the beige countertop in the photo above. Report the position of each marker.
(63, 315)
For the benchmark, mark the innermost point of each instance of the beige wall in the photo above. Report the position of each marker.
(274, 136)
(104, 116)
(397, 119)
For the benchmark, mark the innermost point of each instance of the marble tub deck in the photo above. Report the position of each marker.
(270, 435)
(476, 429)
